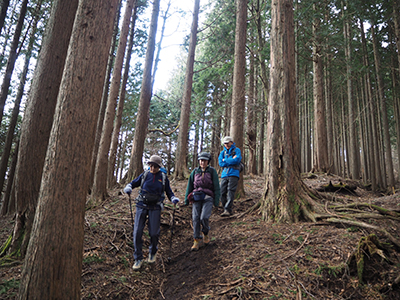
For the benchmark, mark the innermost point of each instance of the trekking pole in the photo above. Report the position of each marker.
(172, 233)
(130, 206)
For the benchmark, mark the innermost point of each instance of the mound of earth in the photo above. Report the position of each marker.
(246, 258)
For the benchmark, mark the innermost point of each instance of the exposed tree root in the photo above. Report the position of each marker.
(250, 210)
(381, 210)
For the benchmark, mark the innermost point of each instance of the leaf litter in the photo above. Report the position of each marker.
(247, 258)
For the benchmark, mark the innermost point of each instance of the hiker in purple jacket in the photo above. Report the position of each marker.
(204, 192)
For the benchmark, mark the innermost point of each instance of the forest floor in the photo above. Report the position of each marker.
(246, 258)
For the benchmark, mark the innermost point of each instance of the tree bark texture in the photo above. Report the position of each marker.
(283, 192)
(38, 116)
(53, 264)
(181, 170)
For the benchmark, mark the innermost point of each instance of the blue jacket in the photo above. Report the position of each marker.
(229, 160)
(153, 185)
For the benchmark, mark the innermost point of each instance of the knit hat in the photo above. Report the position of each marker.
(155, 159)
(204, 156)
(227, 139)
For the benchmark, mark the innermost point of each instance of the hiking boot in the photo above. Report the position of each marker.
(137, 264)
(196, 244)
(206, 239)
(152, 258)
(225, 213)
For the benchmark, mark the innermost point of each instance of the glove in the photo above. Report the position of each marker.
(174, 200)
(128, 189)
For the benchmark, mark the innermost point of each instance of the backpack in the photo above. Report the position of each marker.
(240, 166)
(151, 199)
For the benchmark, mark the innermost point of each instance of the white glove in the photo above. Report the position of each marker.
(128, 189)
(174, 200)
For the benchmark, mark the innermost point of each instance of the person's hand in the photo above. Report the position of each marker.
(128, 189)
(174, 200)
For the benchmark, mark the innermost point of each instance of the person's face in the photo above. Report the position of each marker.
(154, 168)
(203, 163)
(228, 145)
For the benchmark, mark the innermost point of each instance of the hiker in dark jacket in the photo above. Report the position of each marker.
(203, 191)
(149, 203)
(229, 159)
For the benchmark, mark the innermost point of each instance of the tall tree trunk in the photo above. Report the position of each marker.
(142, 119)
(14, 116)
(284, 191)
(375, 159)
(261, 138)
(3, 12)
(12, 58)
(320, 143)
(238, 84)
(53, 264)
(104, 96)
(38, 118)
(383, 110)
(111, 180)
(181, 170)
(8, 205)
(159, 46)
(396, 21)
(251, 119)
(363, 143)
(261, 46)
(329, 114)
(353, 151)
(99, 191)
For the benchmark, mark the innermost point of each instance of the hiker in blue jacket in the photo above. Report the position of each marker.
(149, 203)
(229, 160)
(203, 191)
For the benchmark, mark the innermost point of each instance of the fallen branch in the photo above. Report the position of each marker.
(305, 240)
(368, 226)
(250, 210)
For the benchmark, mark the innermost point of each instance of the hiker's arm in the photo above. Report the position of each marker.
(134, 183)
(168, 190)
(221, 160)
(217, 190)
(235, 160)
(189, 187)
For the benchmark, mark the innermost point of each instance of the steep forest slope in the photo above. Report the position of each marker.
(246, 259)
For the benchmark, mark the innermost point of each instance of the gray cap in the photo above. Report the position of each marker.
(204, 156)
(155, 159)
(227, 139)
